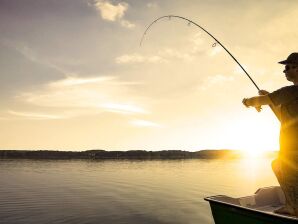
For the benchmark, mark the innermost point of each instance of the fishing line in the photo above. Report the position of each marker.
(216, 42)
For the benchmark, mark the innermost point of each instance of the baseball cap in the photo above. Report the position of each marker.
(292, 59)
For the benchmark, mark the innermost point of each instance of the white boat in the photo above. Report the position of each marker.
(255, 209)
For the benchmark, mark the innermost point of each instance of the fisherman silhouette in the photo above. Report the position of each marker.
(284, 102)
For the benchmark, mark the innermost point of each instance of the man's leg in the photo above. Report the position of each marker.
(277, 168)
(286, 177)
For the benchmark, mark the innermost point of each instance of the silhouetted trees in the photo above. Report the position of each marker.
(133, 154)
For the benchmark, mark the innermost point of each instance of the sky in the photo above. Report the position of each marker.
(74, 77)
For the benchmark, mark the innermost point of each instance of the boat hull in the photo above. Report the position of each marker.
(229, 214)
(253, 209)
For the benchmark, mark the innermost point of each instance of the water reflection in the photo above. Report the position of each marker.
(123, 191)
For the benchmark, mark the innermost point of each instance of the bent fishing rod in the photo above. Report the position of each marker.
(216, 42)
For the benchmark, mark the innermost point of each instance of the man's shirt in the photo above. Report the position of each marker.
(287, 98)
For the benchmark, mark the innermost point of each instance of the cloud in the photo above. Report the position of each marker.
(30, 54)
(219, 79)
(113, 13)
(130, 58)
(127, 24)
(72, 81)
(35, 116)
(123, 108)
(79, 96)
(215, 50)
(171, 53)
(162, 56)
(144, 123)
(137, 58)
(109, 11)
(197, 41)
(215, 80)
(152, 5)
(165, 55)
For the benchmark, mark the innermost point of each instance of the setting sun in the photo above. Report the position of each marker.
(255, 134)
(253, 153)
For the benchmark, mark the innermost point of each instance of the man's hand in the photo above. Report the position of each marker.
(259, 109)
(244, 101)
(263, 92)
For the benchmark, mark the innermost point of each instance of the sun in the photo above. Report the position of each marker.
(253, 153)
(252, 133)
(261, 135)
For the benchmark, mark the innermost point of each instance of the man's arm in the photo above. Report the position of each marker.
(258, 101)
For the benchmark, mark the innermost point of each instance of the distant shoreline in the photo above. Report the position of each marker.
(132, 154)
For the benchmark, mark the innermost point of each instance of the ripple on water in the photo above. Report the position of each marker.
(78, 191)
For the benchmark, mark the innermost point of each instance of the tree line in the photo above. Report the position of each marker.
(132, 154)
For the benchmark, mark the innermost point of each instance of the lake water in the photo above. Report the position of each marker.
(78, 191)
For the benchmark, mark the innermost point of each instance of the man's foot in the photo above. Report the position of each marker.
(286, 210)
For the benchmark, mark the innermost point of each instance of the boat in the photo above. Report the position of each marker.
(254, 209)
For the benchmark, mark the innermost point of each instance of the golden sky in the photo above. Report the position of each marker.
(73, 76)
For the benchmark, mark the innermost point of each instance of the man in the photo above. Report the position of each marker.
(284, 102)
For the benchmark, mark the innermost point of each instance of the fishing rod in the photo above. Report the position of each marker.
(217, 42)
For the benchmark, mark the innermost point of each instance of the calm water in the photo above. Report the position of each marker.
(77, 191)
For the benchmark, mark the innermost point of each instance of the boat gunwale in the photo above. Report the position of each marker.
(212, 199)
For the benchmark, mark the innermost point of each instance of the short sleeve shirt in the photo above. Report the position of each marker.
(287, 98)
